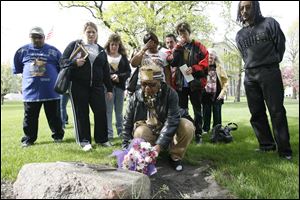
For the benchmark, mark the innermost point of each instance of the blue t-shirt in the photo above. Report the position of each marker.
(39, 67)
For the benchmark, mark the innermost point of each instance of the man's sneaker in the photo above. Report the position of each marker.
(287, 157)
(26, 144)
(176, 164)
(266, 149)
(87, 147)
(106, 144)
(57, 140)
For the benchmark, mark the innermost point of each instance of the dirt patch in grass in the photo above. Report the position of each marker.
(192, 182)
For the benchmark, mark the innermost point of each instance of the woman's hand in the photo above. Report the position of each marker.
(181, 42)
(221, 96)
(109, 95)
(189, 70)
(115, 78)
(80, 62)
(148, 45)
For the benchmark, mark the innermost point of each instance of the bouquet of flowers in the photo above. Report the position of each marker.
(140, 156)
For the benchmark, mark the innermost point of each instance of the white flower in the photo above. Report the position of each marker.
(145, 145)
(148, 159)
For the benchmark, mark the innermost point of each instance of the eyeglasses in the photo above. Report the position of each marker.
(145, 84)
(36, 37)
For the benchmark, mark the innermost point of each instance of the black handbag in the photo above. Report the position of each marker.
(63, 80)
(222, 134)
(133, 81)
(64, 76)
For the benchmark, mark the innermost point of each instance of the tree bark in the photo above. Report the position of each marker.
(238, 88)
(294, 96)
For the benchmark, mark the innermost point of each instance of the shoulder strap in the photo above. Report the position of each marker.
(233, 126)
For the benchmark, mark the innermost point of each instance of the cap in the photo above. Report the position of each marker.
(37, 30)
(151, 72)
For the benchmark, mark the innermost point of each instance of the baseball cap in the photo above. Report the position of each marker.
(36, 30)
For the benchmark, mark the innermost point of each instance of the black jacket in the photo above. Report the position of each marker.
(94, 75)
(166, 108)
(262, 44)
(123, 73)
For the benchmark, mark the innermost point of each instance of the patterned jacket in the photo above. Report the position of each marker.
(198, 60)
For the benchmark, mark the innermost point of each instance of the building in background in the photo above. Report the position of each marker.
(232, 63)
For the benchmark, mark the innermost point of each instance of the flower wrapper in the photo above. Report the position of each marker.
(140, 156)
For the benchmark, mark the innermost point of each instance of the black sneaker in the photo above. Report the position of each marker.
(266, 149)
(176, 165)
(287, 157)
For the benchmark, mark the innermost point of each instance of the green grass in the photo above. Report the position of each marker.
(247, 174)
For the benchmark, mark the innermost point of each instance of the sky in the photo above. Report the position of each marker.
(17, 17)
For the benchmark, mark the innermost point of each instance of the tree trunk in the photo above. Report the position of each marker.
(2, 99)
(294, 96)
(238, 88)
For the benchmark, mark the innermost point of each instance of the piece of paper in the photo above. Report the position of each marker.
(183, 69)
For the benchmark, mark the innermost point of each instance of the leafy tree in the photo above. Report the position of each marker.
(133, 19)
(9, 82)
(292, 56)
(229, 36)
(288, 77)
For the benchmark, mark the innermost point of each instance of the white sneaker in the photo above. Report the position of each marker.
(87, 147)
(204, 132)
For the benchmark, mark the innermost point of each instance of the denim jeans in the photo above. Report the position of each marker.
(64, 98)
(117, 103)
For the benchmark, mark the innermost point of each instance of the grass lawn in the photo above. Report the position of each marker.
(236, 166)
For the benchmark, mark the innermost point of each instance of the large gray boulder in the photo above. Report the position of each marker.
(71, 180)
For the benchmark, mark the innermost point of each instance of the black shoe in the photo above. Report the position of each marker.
(266, 149)
(57, 140)
(106, 144)
(287, 157)
(176, 165)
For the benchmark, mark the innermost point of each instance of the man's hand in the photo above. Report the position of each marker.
(157, 148)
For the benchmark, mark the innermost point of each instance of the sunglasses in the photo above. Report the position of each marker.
(36, 37)
(151, 85)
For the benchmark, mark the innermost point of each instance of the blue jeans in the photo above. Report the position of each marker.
(64, 98)
(117, 102)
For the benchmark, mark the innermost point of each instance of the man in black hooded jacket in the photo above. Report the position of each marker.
(262, 45)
